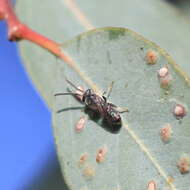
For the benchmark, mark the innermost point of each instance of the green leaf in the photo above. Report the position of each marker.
(63, 19)
(136, 154)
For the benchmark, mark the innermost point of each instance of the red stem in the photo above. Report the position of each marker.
(18, 31)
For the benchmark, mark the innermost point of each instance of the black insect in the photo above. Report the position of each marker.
(108, 111)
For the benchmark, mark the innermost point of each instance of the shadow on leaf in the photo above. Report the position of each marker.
(96, 117)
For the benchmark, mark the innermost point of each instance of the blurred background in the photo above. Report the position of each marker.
(28, 158)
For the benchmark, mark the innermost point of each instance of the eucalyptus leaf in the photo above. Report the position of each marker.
(136, 154)
(62, 19)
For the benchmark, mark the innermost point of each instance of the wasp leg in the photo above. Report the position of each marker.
(113, 105)
(122, 110)
(109, 90)
(119, 109)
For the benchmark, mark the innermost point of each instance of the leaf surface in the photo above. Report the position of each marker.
(63, 19)
(135, 154)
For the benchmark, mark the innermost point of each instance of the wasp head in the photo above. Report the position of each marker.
(92, 100)
(87, 94)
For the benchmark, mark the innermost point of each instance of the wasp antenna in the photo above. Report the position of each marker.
(67, 93)
(73, 84)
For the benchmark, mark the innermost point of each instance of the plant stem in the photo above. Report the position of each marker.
(18, 31)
